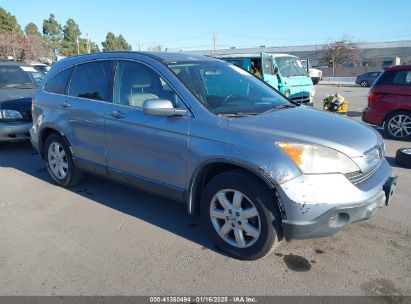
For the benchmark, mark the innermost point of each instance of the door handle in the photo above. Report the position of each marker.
(117, 114)
(65, 105)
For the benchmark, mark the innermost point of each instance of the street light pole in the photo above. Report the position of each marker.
(214, 41)
(88, 44)
(78, 46)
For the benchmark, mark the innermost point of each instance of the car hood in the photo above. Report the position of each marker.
(13, 94)
(304, 124)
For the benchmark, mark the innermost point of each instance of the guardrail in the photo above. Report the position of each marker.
(338, 80)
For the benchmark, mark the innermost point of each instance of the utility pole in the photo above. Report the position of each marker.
(88, 44)
(214, 41)
(78, 46)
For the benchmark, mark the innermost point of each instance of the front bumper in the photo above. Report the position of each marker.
(14, 131)
(34, 138)
(321, 205)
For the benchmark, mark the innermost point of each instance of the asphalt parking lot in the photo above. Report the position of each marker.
(102, 238)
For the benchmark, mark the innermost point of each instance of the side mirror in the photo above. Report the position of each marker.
(161, 107)
(275, 72)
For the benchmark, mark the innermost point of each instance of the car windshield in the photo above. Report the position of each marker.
(14, 76)
(290, 66)
(225, 89)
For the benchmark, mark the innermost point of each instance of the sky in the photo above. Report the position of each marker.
(190, 25)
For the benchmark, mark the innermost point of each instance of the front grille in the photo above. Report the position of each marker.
(359, 177)
(373, 157)
(301, 99)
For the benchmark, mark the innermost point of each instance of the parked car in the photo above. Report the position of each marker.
(18, 83)
(389, 102)
(205, 132)
(41, 67)
(367, 80)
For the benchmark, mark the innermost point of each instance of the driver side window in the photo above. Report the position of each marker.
(134, 83)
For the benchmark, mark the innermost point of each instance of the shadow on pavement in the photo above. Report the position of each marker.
(166, 214)
(391, 161)
(382, 133)
(354, 114)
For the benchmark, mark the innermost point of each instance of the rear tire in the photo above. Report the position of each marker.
(364, 83)
(253, 228)
(403, 157)
(397, 125)
(59, 162)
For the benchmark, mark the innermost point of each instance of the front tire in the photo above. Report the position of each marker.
(397, 125)
(240, 215)
(59, 162)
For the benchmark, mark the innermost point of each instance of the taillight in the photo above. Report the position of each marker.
(32, 104)
(373, 97)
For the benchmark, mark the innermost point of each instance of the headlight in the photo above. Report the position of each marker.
(10, 114)
(313, 159)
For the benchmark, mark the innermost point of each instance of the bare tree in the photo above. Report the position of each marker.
(24, 47)
(339, 52)
(34, 49)
(10, 45)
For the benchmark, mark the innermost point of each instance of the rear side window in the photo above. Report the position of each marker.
(396, 78)
(92, 80)
(58, 83)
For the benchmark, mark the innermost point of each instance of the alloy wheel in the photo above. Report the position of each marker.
(400, 126)
(57, 160)
(235, 218)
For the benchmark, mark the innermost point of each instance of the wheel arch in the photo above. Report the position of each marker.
(395, 111)
(45, 133)
(212, 167)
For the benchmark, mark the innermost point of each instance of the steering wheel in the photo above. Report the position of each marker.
(228, 97)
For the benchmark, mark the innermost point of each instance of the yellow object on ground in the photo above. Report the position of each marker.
(336, 103)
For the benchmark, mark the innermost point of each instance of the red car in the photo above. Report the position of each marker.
(389, 102)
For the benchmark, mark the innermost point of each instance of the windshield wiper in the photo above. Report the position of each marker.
(238, 114)
(280, 107)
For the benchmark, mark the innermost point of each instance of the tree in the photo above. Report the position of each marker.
(90, 46)
(34, 45)
(340, 52)
(94, 47)
(113, 43)
(10, 45)
(8, 23)
(32, 30)
(10, 35)
(53, 31)
(110, 44)
(34, 49)
(123, 44)
(70, 44)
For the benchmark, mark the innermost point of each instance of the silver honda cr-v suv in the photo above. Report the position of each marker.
(257, 167)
